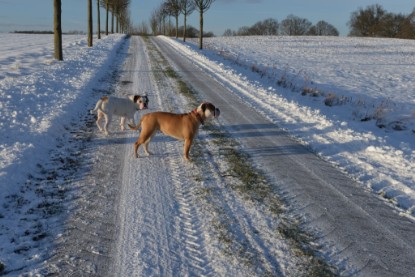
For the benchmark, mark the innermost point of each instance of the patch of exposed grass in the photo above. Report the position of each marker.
(166, 70)
(253, 185)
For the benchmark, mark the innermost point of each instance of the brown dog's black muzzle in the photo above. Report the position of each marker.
(216, 112)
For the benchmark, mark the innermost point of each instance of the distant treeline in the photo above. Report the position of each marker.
(291, 26)
(374, 21)
(48, 32)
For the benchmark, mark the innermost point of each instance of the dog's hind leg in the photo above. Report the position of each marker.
(136, 146)
(144, 138)
(145, 144)
(122, 123)
(99, 117)
(107, 122)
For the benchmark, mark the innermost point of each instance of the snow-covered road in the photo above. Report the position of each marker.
(159, 233)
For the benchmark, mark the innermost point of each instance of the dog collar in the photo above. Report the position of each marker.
(198, 116)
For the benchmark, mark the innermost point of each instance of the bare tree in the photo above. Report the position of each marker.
(367, 22)
(154, 22)
(408, 30)
(202, 6)
(322, 28)
(90, 27)
(107, 10)
(243, 31)
(174, 7)
(119, 14)
(186, 8)
(228, 33)
(270, 27)
(267, 27)
(57, 29)
(142, 29)
(295, 26)
(374, 21)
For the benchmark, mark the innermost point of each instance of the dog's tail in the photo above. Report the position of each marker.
(97, 107)
(135, 128)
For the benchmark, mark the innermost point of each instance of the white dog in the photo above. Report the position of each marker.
(108, 106)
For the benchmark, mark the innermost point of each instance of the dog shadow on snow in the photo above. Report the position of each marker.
(265, 140)
(258, 139)
(123, 137)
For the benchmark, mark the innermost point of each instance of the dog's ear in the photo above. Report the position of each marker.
(207, 105)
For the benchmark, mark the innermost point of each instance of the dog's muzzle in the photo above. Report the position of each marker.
(216, 113)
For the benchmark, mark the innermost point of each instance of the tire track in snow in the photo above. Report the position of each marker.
(188, 225)
(159, 235)
(257, 251)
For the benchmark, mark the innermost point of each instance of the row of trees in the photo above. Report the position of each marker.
(117, 8)
(291, 26)
(174, 8)
(374, 21)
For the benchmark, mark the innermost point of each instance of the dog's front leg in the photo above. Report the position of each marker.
(187, 144)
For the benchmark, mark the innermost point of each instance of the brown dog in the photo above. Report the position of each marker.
(179, 126)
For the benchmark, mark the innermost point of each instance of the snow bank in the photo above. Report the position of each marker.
(39, 96)
(352, 100)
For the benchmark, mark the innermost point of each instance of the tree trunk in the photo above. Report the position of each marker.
(112, 23)
(90, 34)
(177, 26)
(184, 28)
(201, 30)
(98, 21)
(57, 29)
(106, 19)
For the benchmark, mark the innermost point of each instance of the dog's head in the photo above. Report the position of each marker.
(208, 110)
(141, 101)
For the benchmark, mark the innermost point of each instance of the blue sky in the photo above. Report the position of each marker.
(224, 14)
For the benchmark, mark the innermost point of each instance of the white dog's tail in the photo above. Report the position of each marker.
(135, 128)
(97, 107)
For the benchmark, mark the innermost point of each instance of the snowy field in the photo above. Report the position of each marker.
(352, 100)
(35, 92)
(39, 98)
(23, 54)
